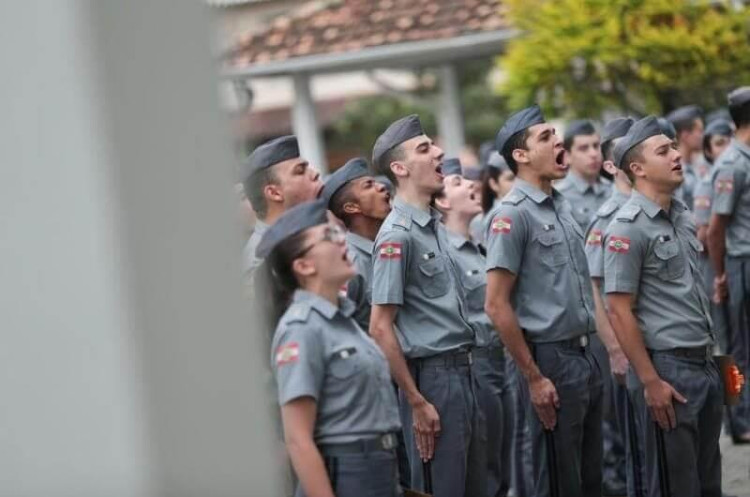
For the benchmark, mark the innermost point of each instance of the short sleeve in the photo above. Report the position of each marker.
(298, 362)
(725, 191)
(624, 249)
(594, 249)
(507, 235)
(702, 199)
(389, 263)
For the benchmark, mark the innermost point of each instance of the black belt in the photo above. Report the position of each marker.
(579, 342)
(489, 352)
(386, 442)
(703, 352)
(451, 359)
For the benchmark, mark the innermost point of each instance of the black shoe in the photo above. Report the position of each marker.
(742, 439)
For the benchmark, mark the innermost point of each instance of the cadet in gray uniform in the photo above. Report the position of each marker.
(688, 125)
(277, 179)
(660, 313)
(539, 299)
(337, 404)
(623, 461)
(729, 246)
(459, 203)
(362, 204)
(420, 320)
(584, 186)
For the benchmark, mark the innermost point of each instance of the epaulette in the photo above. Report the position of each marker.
(607, 209)
(679, 203)
(298, 312)
(729, 157)
(513, 197)
(628, 212)
(402, 221)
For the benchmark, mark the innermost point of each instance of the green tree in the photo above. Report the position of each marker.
(581, 57)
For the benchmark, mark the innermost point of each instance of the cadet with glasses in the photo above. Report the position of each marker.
(338, 407)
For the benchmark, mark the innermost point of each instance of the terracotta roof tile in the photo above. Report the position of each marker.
(332, 26)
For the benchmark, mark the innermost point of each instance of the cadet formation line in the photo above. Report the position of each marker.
(542, 326)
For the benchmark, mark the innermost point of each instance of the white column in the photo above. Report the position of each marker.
(449, 116)
(305, 124)
(128, 365)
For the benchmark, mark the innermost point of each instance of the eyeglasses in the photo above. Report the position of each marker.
(332, 233)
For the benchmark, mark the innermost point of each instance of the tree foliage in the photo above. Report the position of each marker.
(581, 57)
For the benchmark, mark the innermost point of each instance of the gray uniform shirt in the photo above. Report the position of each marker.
(653, 255)
(732, 196)
(585, 198)
(471, 263)
(534, 236)
(685, 191)
(703, 198)
(412, 268)
(595, 233)
(319, 351)
(359, 288)
(250, 262)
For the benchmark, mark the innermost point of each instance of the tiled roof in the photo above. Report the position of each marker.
(329, 27)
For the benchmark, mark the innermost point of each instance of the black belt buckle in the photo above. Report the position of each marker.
(388, 441)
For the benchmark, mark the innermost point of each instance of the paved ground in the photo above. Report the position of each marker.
(736, 466)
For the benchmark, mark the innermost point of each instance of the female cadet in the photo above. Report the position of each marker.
(338, 407)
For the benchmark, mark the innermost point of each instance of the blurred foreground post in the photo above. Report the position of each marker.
(127, 362)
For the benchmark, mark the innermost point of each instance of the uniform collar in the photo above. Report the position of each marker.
(328, 310)
(583, 186)
(533, 192)
(260, 227)
(360, 242)
(422, 218)
(652, 209)
(457, 240)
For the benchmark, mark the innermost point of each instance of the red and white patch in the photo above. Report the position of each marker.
(725, 185)
(702, 202)
(594, 238)
(287, 353)
(501, 225)
(390, 250)
(619, 244)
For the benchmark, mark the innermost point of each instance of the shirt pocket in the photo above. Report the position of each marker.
(433, 277)
(551, 249)
(475, 285)
(670, 260)
(345, 362)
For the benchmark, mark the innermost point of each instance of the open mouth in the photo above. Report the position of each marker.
(472, 197)
(560, 158)
(677, 167)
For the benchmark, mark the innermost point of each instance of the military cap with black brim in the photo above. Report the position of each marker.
(638, 133)
(294, 221)
(520, 121)
(397, 133)
(273, 152)
(616, 128)
(739, 96)
(353, 169)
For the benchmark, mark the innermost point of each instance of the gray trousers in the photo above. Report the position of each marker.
(577, 437)
(459, 465)
(490, 374)
(521, 471)
(738, 278)
(693, 459)
(371, 474)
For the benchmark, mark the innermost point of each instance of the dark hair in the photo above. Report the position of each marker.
(383, 167)
(607, 148)
(707, 146)
(254, 185)
(581, 129)
(740, 114)
(339, 199)
(633, 155)
(277, 280)
(488, 194)
(518, 140)
(684, 125)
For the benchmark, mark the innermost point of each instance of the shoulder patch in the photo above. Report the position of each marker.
(607, 209)
(628, 212)
(286, 354)
(514, 197)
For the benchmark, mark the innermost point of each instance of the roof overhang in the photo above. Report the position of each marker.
(410, 54)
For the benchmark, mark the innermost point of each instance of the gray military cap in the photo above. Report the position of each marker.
(294, 221)
(718, 127)
(616, 128)
(519, 121)
(497, 161)
(397, 133)
(718, 114)
(684, 114)
(451, 166)
(353, 169)
(273, 152)
(486, 149)
(640, 131)
(472, 173)
(739, 96)
(582, 127)
(667, 127)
